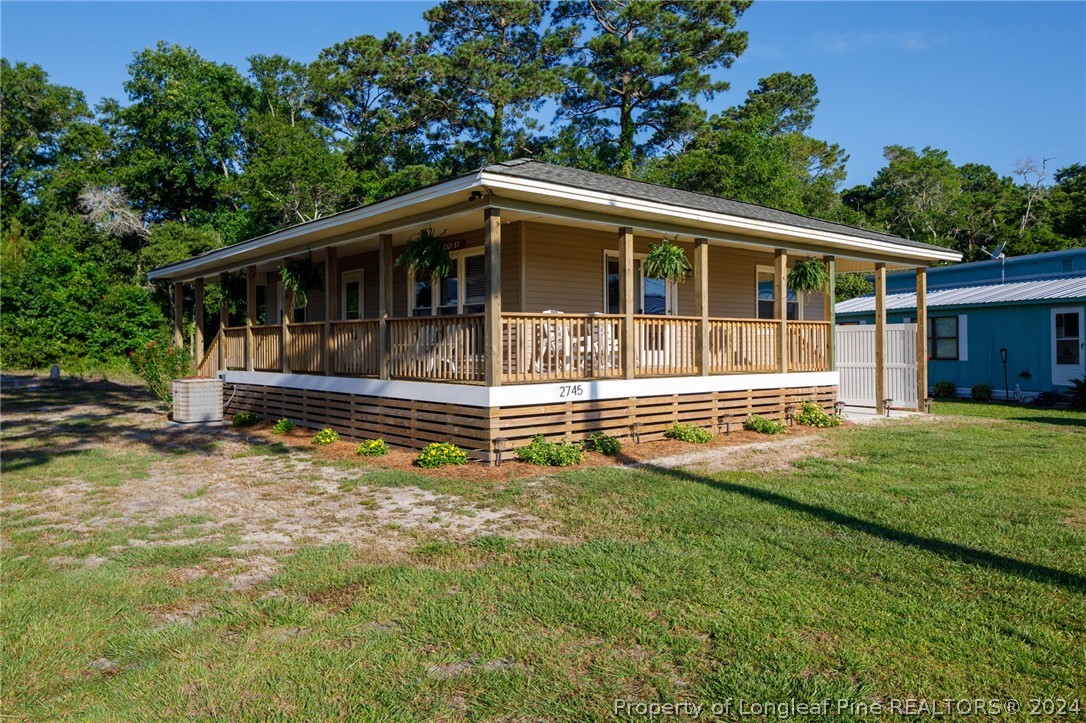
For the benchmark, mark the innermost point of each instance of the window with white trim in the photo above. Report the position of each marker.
(767, 294)
(654, 296)
(943, 338)
(462, 292)
(352, 300)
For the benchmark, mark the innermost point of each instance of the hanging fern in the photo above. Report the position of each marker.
(808, 276)
(300, 275)
(666, 260)
(426, 254)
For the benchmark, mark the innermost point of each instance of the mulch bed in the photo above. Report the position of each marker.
(400, 459)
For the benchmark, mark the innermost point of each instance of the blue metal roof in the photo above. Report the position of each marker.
(1070, 287)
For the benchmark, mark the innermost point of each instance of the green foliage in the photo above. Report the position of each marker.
(325, 437)
(981, 393)
(300, 276)
(689, 433)
(944, 390)
(666, 260)
(439, 454)
(246, 419)
(600, 442)
(762, 425)
(426, 254)
(649, 61)
(812, 415)
(849, 286)
(553, 454)
(158, 365)
(283, 426)
(1078, 393)
(808, 276)
(371, 448)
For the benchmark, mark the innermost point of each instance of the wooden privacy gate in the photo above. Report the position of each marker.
(855, 349)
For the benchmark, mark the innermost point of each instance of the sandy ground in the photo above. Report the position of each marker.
(263, 495)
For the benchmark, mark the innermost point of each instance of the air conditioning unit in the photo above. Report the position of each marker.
(197, 400)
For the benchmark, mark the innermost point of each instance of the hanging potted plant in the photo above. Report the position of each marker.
(808, 276)
(300, 275)
(667, 261)
(426, 255)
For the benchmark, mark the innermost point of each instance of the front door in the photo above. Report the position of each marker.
(1067, 346)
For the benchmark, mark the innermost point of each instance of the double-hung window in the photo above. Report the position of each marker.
(462, 292)
(767, 291)
(943, 338)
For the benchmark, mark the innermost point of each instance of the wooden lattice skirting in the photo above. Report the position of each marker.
(412, 424)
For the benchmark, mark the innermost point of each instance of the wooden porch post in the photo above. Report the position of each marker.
(780, 305)
(921, 338)
(384, 303)
(701, 302)
(250, 315)
(492, 249)
(178, 314)
(831, 313)
(880, 338)
(331, 307)
(198, 312)
(224, 321)
(626, 300)
(288, 314)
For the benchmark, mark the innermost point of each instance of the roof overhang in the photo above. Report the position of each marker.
(529, 198)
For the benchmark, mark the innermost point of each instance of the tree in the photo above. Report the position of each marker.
(644, 62)
(180, 139)
(48, 138)
(283, 87)
(782, 103)
(496, 66)
(1068, 203)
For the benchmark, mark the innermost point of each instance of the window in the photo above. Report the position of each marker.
(463, 292)
(298, 317)
(767, 296)
(654, 296)
(352, 302)
(943, 338)
(1068, 338)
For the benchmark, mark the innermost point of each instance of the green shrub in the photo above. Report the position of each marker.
(552, 454)
(439, 454)
(812, 415)
(944, 390)
(604, 444)
(246, 419)
(283, 426)
(325, 436)
(371, 448)
(1078, 393)
(158, 365)
(762, 425)
(981, 393)
(689, 433)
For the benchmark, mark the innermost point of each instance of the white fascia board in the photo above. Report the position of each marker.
(532, 394)
(687, 215)
(457, 185)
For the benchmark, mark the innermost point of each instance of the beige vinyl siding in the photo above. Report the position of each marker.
(370, 281)
(511, 259)
(565, 271)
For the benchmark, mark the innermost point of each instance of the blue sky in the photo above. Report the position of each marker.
(989, 82)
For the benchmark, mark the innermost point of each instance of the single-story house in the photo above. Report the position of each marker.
(1033, 307)
(546, 324)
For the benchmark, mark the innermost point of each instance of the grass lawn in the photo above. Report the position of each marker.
(917, 559)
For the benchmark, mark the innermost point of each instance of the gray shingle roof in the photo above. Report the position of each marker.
(551, 173)
(1073, 287)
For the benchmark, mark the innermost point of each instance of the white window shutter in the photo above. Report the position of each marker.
(963, 337)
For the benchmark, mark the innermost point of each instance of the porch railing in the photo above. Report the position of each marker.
(743, 346)
(534, 347)
(808, 345)
(356, 347)
(267, 348)
(307, 347)
(439, 348)
(560, 347)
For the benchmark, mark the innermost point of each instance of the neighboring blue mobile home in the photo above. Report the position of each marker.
(1033, 306)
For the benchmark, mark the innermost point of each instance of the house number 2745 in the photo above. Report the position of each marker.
(570, 390)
